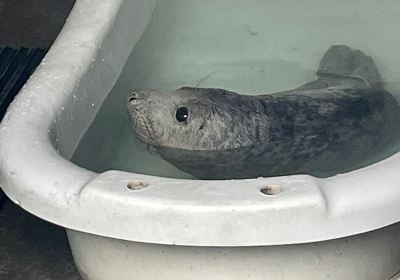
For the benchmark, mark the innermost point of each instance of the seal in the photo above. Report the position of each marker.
(322, 128)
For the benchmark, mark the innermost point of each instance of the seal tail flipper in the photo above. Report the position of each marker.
(341, 61)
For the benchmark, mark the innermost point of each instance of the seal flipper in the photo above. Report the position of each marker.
(343, 62)
(341, 65)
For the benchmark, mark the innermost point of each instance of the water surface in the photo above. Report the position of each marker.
(250, 47)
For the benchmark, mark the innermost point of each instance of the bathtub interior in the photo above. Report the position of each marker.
(249, 47)
(66, 91)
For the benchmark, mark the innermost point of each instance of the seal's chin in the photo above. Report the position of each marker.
(149, 146)
(142, 130)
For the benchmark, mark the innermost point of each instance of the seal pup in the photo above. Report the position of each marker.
(322, 128)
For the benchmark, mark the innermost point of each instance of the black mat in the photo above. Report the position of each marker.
(16, 66)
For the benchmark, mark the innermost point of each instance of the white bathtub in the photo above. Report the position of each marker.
(342, 227)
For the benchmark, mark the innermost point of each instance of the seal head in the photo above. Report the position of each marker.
(196, 119)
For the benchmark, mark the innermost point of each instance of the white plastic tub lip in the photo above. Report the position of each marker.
(167, 211)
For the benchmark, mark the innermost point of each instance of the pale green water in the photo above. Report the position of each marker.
(247, 46)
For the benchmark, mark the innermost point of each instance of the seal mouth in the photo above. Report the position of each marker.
(142, 127)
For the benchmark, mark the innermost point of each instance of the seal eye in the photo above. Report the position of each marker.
(182, 113)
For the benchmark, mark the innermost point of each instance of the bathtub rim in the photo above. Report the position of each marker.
(35, 176)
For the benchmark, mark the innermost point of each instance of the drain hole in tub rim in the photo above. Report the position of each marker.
(271, 190)
(137, 185)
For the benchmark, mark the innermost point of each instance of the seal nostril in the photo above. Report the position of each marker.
(133, 99)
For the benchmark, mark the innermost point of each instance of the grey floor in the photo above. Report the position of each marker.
(30, 248)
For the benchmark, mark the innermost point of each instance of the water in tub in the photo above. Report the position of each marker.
(250, 47)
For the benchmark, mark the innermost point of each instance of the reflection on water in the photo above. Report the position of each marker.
(250, 47)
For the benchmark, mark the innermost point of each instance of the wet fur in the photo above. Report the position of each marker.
(321, 128)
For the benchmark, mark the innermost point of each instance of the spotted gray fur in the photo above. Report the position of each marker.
(321, 128)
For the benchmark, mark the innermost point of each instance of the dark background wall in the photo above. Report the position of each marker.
(32, 23)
